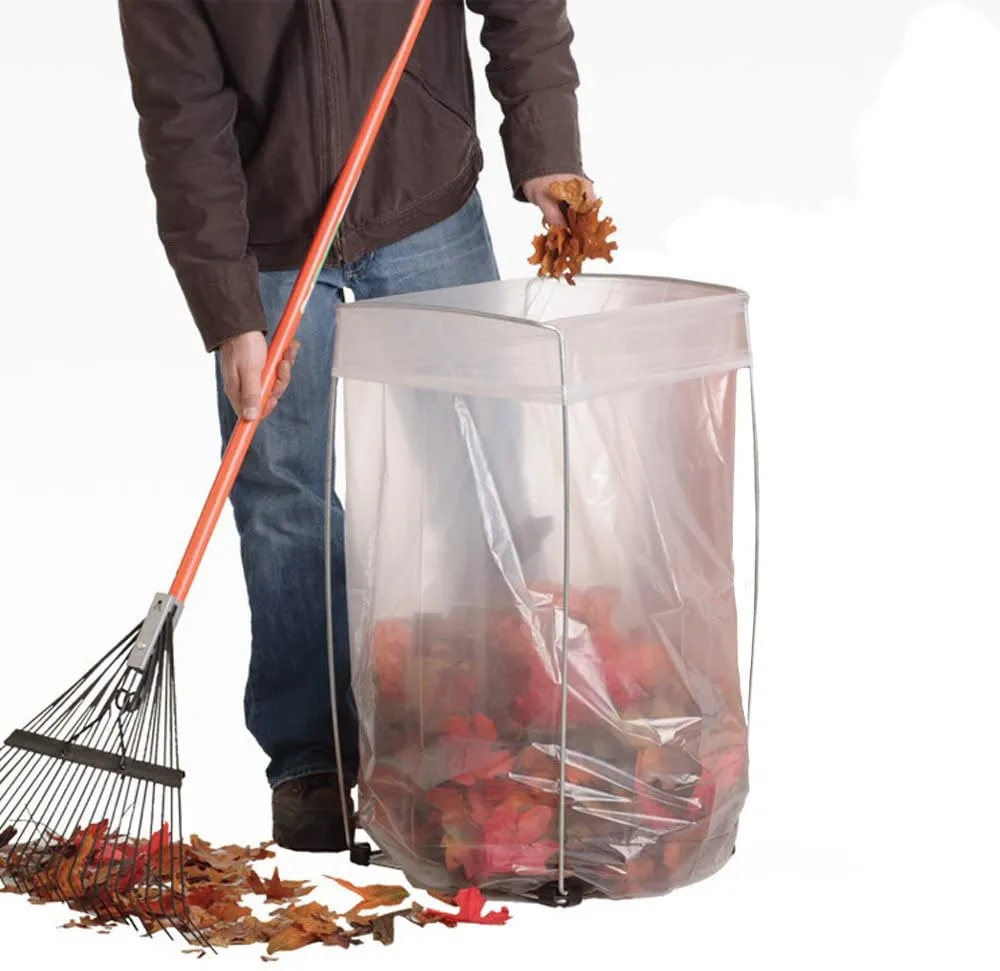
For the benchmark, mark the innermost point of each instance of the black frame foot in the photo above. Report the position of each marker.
(571, 896)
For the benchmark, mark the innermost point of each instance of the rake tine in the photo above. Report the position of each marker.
(83, 785)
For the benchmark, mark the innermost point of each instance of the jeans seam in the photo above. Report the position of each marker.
(356, 269)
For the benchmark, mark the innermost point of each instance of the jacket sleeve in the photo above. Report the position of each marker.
(186, 129)
(533, 76)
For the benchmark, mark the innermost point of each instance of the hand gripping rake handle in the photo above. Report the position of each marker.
(166, 605)
(239, 444)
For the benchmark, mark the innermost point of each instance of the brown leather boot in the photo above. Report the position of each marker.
(308, 815)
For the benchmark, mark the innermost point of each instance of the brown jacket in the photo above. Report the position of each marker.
(248, 109)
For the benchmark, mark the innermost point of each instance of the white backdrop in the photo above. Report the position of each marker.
(843, 168)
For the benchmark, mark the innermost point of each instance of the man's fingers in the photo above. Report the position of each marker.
(249, 395)
(231, 384)
(551, 212)
(243, 361)
(536, 191)
(281, 380)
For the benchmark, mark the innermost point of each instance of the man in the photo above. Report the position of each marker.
(247, 111)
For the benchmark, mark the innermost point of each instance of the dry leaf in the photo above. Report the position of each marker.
(572, 192)
(247, 931)
(383, 929)
(374, 896)
(277, 889)
(422, 917)
(562, 250)
(472, 909)
(228, 911)
(313, 918)
(93, 871)
(291, 938)
(70, 874)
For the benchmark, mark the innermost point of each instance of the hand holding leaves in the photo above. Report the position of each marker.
(575, 231)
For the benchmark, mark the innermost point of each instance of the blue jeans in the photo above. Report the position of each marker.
(278, 501)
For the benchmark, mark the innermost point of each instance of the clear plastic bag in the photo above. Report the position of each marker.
(507, 444)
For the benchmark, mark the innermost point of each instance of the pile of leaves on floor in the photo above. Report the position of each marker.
(204, 891)
(562, 250)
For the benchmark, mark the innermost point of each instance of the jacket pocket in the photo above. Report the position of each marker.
(412, 75)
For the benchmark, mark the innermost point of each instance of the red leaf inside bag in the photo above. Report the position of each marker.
(624, 689)
(540, 703)
(449, 685)
(510, 637)
(612, 673)
(472, 751)
(721, 772)
(461, 834)
(593, 607)
(392, 645)
(512, 840)
(577, 599)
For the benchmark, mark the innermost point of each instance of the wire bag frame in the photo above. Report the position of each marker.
(566, 889)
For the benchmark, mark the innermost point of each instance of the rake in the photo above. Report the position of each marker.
(90, 789)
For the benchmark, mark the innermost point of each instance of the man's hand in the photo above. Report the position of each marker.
(535, 191)
(242, 360)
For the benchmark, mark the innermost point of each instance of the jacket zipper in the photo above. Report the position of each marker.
(329, 125)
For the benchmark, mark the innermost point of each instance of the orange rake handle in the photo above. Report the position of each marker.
(239, 443)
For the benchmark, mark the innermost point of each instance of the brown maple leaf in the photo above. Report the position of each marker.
(228, 860)
(562, 250)
(277, 889)
(228, 910)
(573, 193)
(311, 920)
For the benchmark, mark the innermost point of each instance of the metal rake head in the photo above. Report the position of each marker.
(90, 792)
